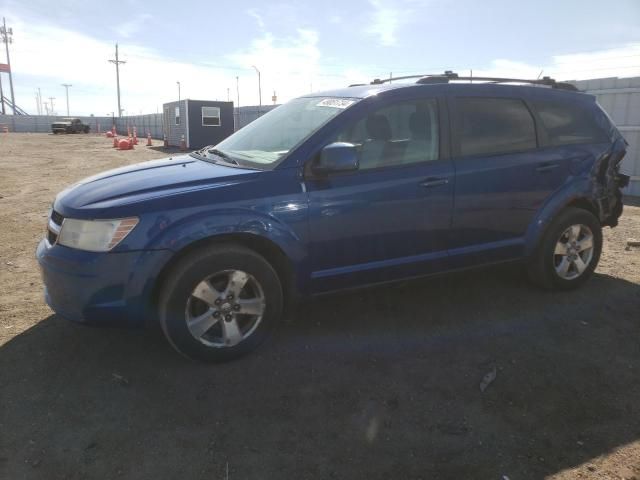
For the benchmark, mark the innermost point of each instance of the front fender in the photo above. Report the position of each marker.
(284, 226)
(176, 235)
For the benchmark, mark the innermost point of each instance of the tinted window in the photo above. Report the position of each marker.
(400, 134)
(494, 125)
(567, 124)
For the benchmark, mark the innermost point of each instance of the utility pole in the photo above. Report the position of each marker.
(7, 38)
(46, 107)
(2, 96)
(66, 86)
(117, 63)
(51, 99)
(228, 95)
(178, 91)
(259, 89)
(40, 99)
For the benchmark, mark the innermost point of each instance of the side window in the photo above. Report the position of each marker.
(177, 115)
(210, 116)
(400, 134)
(492, 126)
(568, 124)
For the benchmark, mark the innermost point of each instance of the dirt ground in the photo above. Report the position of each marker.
(381, 384)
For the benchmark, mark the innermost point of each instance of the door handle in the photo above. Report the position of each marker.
(547, 167)
(434, 182)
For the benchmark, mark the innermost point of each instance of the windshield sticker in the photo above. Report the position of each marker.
(335, 103)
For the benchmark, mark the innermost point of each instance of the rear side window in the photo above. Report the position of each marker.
(491, 126)
(568, 124)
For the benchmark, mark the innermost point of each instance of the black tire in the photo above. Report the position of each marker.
(541, 266)
(183, 278)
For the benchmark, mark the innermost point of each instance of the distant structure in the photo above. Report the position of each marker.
(201, 122)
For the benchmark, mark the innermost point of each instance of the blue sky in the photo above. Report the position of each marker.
(301, 46)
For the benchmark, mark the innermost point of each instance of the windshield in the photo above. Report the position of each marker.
(273, 135)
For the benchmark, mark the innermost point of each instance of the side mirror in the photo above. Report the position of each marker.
(337, 157)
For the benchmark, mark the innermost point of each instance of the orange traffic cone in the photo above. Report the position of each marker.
(149, 144)
(183, 144)
(115, 141)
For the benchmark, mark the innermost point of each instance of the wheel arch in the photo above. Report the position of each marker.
(263, 246)
(551, 210)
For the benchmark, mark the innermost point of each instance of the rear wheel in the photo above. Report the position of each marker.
(568, 252)
(219, 304)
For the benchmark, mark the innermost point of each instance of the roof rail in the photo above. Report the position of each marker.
(449, 76)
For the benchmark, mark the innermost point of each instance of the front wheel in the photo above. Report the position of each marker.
(568, 252)
(220, 303)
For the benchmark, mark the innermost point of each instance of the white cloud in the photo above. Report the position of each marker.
(252, 12)
(133, 26)
(616, 62)
(48, 56)
(287, 65)
(384, 22)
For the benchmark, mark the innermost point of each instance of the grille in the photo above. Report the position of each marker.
(56, 217)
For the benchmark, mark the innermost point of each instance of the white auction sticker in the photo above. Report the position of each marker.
(335, 102)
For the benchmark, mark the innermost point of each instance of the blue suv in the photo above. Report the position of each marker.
(359, 186)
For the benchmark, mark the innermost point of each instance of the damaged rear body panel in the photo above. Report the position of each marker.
(608, 182)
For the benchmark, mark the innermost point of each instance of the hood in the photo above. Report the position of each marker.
(61, 123)
(145, 181)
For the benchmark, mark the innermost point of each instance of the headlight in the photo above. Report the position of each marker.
(95, 235)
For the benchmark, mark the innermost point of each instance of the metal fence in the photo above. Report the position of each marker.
(42, 123)
(144, 124)
(150, 123)
(246, 115)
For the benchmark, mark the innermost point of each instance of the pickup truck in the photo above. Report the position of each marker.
(69, 125)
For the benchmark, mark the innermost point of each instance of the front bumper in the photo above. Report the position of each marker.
(100, 288)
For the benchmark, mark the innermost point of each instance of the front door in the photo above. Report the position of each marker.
(390, 218)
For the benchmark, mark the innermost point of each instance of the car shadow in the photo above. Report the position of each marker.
(382, 383)
(168, 150)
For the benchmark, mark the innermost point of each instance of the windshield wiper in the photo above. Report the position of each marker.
(223, 155)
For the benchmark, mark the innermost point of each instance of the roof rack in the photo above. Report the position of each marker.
(448, 76)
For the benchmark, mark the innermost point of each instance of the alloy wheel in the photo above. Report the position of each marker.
(573, 252)
(225, 308)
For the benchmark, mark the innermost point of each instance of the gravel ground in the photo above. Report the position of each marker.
(377, 384)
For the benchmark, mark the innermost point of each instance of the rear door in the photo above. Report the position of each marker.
(390, 218)
(502, 177)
